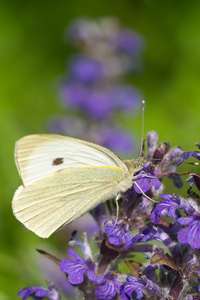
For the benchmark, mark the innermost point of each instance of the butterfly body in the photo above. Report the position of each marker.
(63, 178)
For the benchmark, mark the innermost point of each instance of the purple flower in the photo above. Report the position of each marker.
(39, 292)
(145, 178)
(137, 285)
(186, 155)
(129, 42)
(125, 98)
(98, 104)
(77, 267)
(117, 233)
(74, 94)
(115, 139)
(109, 290)
(144, 236)
(170, 205)
(151, 234)
(85, 69)
(72, 126)
(190, 234)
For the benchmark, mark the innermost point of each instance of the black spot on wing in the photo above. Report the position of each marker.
(58, 161)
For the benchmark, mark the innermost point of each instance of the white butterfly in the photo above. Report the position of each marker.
(63, 178)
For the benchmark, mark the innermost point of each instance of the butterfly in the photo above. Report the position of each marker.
(63, 178)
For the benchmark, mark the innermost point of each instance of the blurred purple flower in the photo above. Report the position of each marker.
(129, 42)
(115, 139)
(85, 69)
(74, 94)
(93, 85)
(62, 125)
(98, 104)
(124, 98)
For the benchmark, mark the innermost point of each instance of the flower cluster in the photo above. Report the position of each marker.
(93, 87)
(167, 234)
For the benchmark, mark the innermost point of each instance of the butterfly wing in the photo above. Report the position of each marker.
(38, 155)
(61, 197)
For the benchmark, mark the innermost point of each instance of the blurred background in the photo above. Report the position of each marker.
(115, 53)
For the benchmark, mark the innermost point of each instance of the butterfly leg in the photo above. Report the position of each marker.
(143, 192)
(119, 195)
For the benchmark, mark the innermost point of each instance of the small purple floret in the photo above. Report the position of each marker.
(137, 285)
(170, 205)
(109, 290)
(85, 69)
(117, 233)
(77, 267)
(191, 233)
(145, 178)
(39, 292)
(186, 155)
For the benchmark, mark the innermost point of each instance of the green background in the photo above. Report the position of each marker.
(33, 54)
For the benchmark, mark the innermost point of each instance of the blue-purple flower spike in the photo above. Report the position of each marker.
(93, 87)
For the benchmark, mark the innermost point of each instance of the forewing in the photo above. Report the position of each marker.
(38, 155)
(60, 198)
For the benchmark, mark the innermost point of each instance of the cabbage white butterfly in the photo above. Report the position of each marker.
(63, 178)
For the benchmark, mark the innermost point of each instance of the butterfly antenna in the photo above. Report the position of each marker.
(142, 140)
